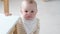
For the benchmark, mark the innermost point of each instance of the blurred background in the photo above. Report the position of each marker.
(48, 13)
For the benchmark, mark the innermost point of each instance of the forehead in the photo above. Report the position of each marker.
(29, 6)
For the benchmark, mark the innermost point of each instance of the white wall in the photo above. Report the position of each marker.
(49, 17)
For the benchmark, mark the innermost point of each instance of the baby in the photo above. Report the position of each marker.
(27, 23)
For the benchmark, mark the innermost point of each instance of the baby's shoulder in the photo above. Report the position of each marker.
(37, 19)
(19, 20)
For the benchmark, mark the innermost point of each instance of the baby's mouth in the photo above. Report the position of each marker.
(28, 16)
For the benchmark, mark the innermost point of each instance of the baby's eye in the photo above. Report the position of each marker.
(26, 11)
(32, 11)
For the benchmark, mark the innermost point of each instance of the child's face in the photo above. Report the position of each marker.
(29, 11)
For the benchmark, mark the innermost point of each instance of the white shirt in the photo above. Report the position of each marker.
(29, 25)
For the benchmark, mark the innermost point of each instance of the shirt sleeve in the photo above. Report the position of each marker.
(14, 28)
(38, 28)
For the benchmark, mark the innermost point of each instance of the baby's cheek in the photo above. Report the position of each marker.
(33, 16)
(25, 15)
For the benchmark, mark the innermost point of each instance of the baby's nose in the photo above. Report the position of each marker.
(29, 13)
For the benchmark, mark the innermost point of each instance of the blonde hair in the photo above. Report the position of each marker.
(30, 1)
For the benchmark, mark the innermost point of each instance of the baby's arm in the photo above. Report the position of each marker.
(14, 28)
